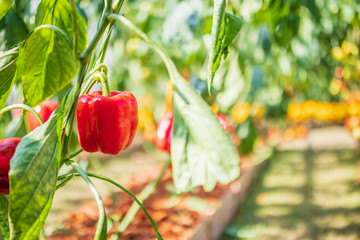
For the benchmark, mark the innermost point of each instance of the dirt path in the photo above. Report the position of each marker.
(303, 195)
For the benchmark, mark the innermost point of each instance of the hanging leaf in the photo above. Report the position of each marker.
(225, 28)
(202, 154)
(5, 5)
(33, 176)
(4, 222)
(13, 30)
(7, 72)
(59, 13)
(49, 63)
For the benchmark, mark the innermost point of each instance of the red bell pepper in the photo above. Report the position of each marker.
(106, 124)
(44, 110)
(7, 150)
(223, 120)
(164, 130)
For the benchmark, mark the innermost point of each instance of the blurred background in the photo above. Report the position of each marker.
(289, 83)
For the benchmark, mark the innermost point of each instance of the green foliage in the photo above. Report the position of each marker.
(59, 13)
(248, 133)
(224, 29)
(4, 222)
(5, 5)
(13, 30)
(33, 176)
(7, 72)
(202, 154)
(48, 63)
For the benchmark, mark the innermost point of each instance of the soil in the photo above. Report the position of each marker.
(177, 216)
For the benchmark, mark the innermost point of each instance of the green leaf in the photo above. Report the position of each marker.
(33, 175)
(248, 133)
(224, 30)
(49, 63)
(233, 26)
(13, 30)
(201, 152)
(217, 33)
(5, 5)
(59, 13)
(7, 72)
(4, 222)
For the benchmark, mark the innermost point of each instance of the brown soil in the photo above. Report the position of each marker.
(171, 212)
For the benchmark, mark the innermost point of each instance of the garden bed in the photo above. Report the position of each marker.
(195, 215)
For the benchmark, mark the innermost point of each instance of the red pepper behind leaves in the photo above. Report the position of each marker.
(223, 120)
(7, 150)
(4, 185)
(106, 124)
(44, 110)
(164, 130)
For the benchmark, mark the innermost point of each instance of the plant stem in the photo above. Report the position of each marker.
(84, 57)
(101, 225)
(105, 43)
(153, 223)
(145, 193)
(74, 154)
(75, 29)
(105, 86)
(22, 106)
(69, 119)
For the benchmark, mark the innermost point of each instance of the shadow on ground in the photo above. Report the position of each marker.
(302, 195)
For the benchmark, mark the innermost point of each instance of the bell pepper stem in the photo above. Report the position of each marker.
(105, 86)
(102, 78)
(24, 107)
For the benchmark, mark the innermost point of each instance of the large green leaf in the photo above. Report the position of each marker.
(7, 72)
(202, 154)
(13, 30)
(49, 63)
(5, 5)
(33, 175)
(4, 222)
(224, 30)
(59, 13)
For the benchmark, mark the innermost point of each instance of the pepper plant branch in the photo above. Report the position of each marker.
(105, 43)
(74, 154)
(24, 107)
(69, 119)
(145, 193)
(60, 185)
(75, 29)
(103, 25)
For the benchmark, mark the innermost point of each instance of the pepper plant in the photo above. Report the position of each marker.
(56, 52)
